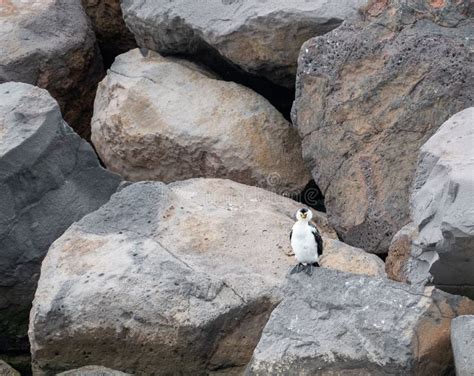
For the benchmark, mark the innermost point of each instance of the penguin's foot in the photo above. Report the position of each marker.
(298, 268)
(309, 269)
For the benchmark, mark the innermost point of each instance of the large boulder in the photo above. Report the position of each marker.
(337, 323)
(462, 338)
(260, 37)
(112, 34)
(51, 44)
(368, 95)
(443, 204)
(164, 119)
(49, 178)
(179, 278)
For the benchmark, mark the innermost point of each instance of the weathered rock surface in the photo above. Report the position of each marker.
(49, 178)
(164, 119)
(399, 253)
(261, 37)
(179, 275)
(443, 204)
(93, 371)
(50, 44)
(368, 96)
(336, 323)
(6, 370)
(462, 339)
(340, 256)
(112, 34)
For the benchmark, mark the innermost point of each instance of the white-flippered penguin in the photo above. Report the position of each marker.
(306, 242)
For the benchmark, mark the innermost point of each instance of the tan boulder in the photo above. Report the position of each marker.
(164, 119)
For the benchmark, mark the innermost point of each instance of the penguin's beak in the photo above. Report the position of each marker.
(304, 215)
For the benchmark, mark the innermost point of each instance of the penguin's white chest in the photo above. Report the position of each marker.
(303, 244)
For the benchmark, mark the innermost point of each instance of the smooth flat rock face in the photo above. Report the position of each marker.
(260, 37)
(337, 323)
(179, 278)
(93, 371)
(462, 339)
(49, 178)
(50, 44)
(368, 96)
(443, 205)
(164, 119)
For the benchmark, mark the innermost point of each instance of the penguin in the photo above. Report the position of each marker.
(306, 242)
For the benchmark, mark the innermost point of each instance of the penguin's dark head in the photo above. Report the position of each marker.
(304, 214)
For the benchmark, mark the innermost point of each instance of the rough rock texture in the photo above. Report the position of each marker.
(340, 256)
(399, 253)
(462, 339)
(6, 370)
(368, 95)
(49, 178)
(261, 37)
(50, 44)
(164, 119)
(336, 323)
(443, 205)
(112, 34)
(93, 371)
(179, 275)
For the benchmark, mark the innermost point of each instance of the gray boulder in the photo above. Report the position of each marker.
(462, 339)
(49, 178)
(179, 278)
(337, 323)
(368, 95)
(51, 44)
(443, 206)
(261, 37)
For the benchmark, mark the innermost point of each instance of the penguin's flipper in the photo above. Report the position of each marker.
(296, 269)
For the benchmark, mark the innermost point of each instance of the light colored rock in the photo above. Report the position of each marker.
(261, 37)
(162, 119)
(340, 256)
(49, 178)
(112, 34)
(368, 96)
(93, 371)
(162, 273)
(336, 323)
(443, 206)
(462, 339)
(6, 370)
(50, 44)
(191, 296)
(399, 253)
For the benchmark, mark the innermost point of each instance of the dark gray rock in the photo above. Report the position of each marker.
(368, 96)
(51, 44)
(335, 323)
(261, 37)
(462, 339)
(49, 178)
